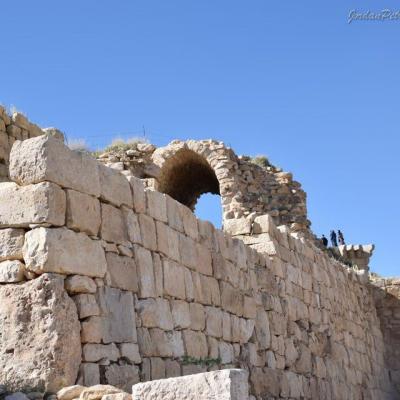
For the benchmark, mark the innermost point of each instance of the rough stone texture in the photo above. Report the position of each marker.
(11, 242)
(230, 384)
(38, 353)
(122, 272)
(11, 271)
(46, 158)
(43, 203)
(63, 251)
(83, 212)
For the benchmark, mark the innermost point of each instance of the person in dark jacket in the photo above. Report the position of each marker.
(340, 237)
(324, 241)
(333, 238)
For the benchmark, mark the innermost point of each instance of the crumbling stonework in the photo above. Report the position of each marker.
(159, 293)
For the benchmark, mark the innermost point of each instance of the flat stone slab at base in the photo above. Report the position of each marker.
(227, 384)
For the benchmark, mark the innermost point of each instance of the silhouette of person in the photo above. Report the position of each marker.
(333, 238)
(324, 241)
(340, 237)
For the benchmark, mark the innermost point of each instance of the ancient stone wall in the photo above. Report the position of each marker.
(159, 293)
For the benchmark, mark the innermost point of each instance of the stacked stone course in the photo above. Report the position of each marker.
(120, 284)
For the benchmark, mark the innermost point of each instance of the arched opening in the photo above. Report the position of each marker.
(185, 176)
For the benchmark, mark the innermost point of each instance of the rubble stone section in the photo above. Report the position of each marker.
(229, 384)
(160, 294)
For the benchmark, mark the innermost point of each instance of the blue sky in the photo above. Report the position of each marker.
(292, 80)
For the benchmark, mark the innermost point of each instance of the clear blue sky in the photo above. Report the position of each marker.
(289, 79)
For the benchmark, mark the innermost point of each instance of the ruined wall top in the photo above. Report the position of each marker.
(187, 169)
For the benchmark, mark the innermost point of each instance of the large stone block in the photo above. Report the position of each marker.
(11, 271)
(228, 384)
(38, 353)
(139, 194)
(83, 212)
(114, 187)
(113, 227)
(63, 251)
(11, 242)
(122, 270)
(145, 268)
(46, 158)
(22, 206)
(174, 280)
(119, 317)
(157, 205)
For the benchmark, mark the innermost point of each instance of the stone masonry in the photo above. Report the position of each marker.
(104, 280)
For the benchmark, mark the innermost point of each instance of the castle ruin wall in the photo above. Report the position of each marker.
(156, 292)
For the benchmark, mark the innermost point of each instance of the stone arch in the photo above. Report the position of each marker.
(190, 169)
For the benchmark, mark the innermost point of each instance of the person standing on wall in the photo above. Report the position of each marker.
(324, 241)
(333, 238)
(340, 237)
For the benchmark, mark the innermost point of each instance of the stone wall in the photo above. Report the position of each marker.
(159, 293)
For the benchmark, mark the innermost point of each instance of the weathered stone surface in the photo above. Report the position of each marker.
(80, 284)
(130, 351)
(114, 187)
(22, 206)
(132, 225)
(89, 374)
(11, 242)
(93, 352)
(11, 271)
(98, 391)
(155, 313)
(45, 158)
(122, 376)
(195, 343)
(38, 353)
(86, 305)
(119, 323)
(63, 251)
(113, 227)
(139, 194)
(118, 396)
(229, 384)
(145, 268)
(83, 212)
(157, 205)
(174, 279)
(148, 231)
(122, 270)
(70, 392)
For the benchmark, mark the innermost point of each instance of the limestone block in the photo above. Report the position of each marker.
(229, 384)
(119, 317)
(145, 269)
(11, 242)
(204, 261)
(117, 396)
(189, 220)
(122, 376)
(249, 307)
(180, 314)
(238, 226)
(262, 329)
(86, 305)
(231, 299)
(139, 194)
(157, 205)
(188, 252)
(197, 317)
(70, 392)
(167, 241)
(214, 322)
(46, 352)
(265, 224)
(80, 284)
(122, 270)
(96, 392)
(172, 368)
(130, 351)
(174, 214)
(226, 326)
(195, 343)
(43, 203)
(96, 352)
(92, 330)
(159, 275)
(114, 187)
(246, 329)
(174, 279)
(132, 225)
(157, 368)
(11, 271)
(63, 251)
(83, 212)
(89, 374)
(46, 158)
(4, 147)
(155, 313)
(113, 227)
(148, 232)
